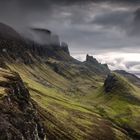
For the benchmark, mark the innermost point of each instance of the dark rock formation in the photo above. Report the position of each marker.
(65, 48)
(97, 67)
(110, 82)
(116, 84)
(19, 119)
(91, 59)
(16, 48)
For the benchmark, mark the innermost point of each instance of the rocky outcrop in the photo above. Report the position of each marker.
(95, 66)
(91, 59)
(43, 44)
(116, 84)
(19, 119)
(110, 82)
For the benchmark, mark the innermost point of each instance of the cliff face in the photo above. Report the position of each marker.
(90, 59)
(19, 119)
(15, 48)
(28, 51)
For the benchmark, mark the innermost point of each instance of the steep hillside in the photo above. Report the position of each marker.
(115, 83)
(119, 101)
(82, 102)
(75, 100)
(17, 110)
(131, 77)
(66, 111)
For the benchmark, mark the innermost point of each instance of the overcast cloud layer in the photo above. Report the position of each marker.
(107, 29)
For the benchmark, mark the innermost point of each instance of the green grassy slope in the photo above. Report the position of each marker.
(121, 105)
(79, 108)
(71, 96)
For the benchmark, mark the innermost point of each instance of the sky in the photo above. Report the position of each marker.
(107, 29)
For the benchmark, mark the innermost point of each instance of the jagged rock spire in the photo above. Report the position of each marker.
(91, 59)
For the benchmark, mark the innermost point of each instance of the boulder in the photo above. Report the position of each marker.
(19, 119)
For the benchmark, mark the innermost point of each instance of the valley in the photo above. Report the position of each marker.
(74, 100)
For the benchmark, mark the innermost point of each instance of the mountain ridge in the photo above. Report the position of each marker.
(70, 95)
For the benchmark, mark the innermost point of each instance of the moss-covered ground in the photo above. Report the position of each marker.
(78, 108)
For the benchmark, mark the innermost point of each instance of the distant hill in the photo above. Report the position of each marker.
(131, 77)
(115, 84)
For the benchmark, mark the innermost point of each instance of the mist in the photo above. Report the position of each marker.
(88, 26)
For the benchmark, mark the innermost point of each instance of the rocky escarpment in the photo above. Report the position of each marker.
(118, 85)
(46, 44)
(19, 119)
(49, 51)
(97, 67)
(15, 48)
(90, 59)
(12, 45)
(111, 82)
(29, 51)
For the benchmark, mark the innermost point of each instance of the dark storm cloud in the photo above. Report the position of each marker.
(38, 2)
(113, 19)
(21, 13)
(97, 26)
(125, 20)
(136, 23)
(43, 3)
